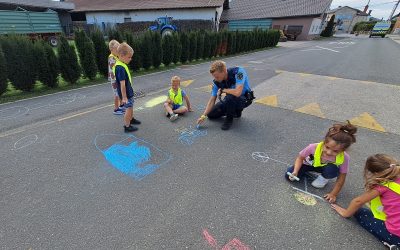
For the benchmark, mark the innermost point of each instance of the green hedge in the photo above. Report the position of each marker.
(23, 62)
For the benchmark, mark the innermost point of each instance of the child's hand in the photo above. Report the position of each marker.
(124, 100)
(201, 119)
(339, 210)
(291, 178)
(330, 198)
(190, 109)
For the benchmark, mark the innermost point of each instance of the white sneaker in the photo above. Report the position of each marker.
(173, 117)
(320, 182)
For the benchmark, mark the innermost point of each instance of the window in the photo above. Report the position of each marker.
(127, 19)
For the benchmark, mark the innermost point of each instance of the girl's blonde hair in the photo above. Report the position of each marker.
(379, 169)
(175, 78)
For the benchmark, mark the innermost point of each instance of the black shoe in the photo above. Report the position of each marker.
(135, 121)
(130, 129)
(227, 123)
(238, 114)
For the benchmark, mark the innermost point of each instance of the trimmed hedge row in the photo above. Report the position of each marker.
(23, 62)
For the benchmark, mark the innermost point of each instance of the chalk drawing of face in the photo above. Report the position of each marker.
(131, 155)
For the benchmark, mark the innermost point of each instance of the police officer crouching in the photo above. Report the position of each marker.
(234, 83)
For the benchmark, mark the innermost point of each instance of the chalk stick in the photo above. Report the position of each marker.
(293, 176)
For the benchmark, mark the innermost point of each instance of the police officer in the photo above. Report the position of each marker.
(234, 83)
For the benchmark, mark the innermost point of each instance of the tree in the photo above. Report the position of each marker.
(3, 73)
(87, 54)
(147, 50)
(200, 45)
(137, 59)
(67, 57)
(21, 62)
(185, 47)
(101, 50)
(168, 49)
(157, 49)
(47, 64)
(328, 31)
(177, 48)
(115, 34)
(192, 46)
(207, 45)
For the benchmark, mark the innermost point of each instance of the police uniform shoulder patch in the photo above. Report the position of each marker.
(240, 76)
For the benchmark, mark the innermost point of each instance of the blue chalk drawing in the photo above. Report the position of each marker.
(189, 135)
(133, 156)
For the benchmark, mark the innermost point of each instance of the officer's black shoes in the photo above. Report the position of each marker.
(135, 121)
(130, 129)
(238, 114)
(227, 123)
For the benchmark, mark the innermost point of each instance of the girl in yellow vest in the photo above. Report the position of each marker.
(327, 158)
(112, 60)
(174, 104)
(382, 189)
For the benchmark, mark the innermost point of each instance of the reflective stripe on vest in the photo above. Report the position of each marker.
(376, 203)
(318, 154)
(176, 98)
(119, 63)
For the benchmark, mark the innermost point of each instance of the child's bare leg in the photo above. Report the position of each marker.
(181, 110)
(128, 116)
(116, 102)
(168, 108)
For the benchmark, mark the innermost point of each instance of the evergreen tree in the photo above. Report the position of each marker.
(87, 54)
(53, 66)
(177, 48)
(101, 50)
(157, 49)
(200, 45)
(137, 59)
(185, 47)
(147, 51)
(328, 31)
(3, 73)
(207, 45)
(192, 46)
(68, 59)
(168, 49)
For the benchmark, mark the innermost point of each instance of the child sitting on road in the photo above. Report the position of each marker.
(382, 189)
(174, 104)
(327, 158)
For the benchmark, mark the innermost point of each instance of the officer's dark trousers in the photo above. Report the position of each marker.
(228, 107)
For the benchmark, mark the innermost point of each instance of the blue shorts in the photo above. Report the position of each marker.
(130, 103)
(176, 106)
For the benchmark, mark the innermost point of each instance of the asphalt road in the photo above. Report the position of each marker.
(63, 184)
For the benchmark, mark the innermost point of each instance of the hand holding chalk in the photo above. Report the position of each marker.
(292, 177)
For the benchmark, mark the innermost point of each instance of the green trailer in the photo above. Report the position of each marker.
(45, 25)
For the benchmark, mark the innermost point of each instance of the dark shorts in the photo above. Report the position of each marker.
(130, 103)
(176, 106)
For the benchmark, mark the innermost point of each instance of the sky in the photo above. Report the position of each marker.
(380, 8)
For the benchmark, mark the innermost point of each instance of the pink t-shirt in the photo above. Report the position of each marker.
(391, 207)
(310, 150)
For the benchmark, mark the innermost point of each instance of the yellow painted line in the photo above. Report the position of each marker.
(366, 120)
(269, 101)
(305, 74)
(155, 101)
(207, 88)
(83, 113)
(278, 71)
(311, 109)
(332, 78)
(186, 83)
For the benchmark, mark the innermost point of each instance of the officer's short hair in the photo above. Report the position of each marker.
(113, 44)
(219, 66)
(175, 78)
(124, 49)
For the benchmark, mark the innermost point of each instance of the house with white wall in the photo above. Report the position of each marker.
(101, 12)
(346, 17)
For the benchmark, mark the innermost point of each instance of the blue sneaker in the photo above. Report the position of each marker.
(122, 107)
(118, 111)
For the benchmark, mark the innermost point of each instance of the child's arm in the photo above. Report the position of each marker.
(297, 164)
(123, 92)
(331, 197)
(188, 103)
(356, 203)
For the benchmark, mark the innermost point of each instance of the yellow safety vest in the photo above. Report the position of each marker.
(125, 67)
(376, 203)
(176, 98)
(318, 153)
